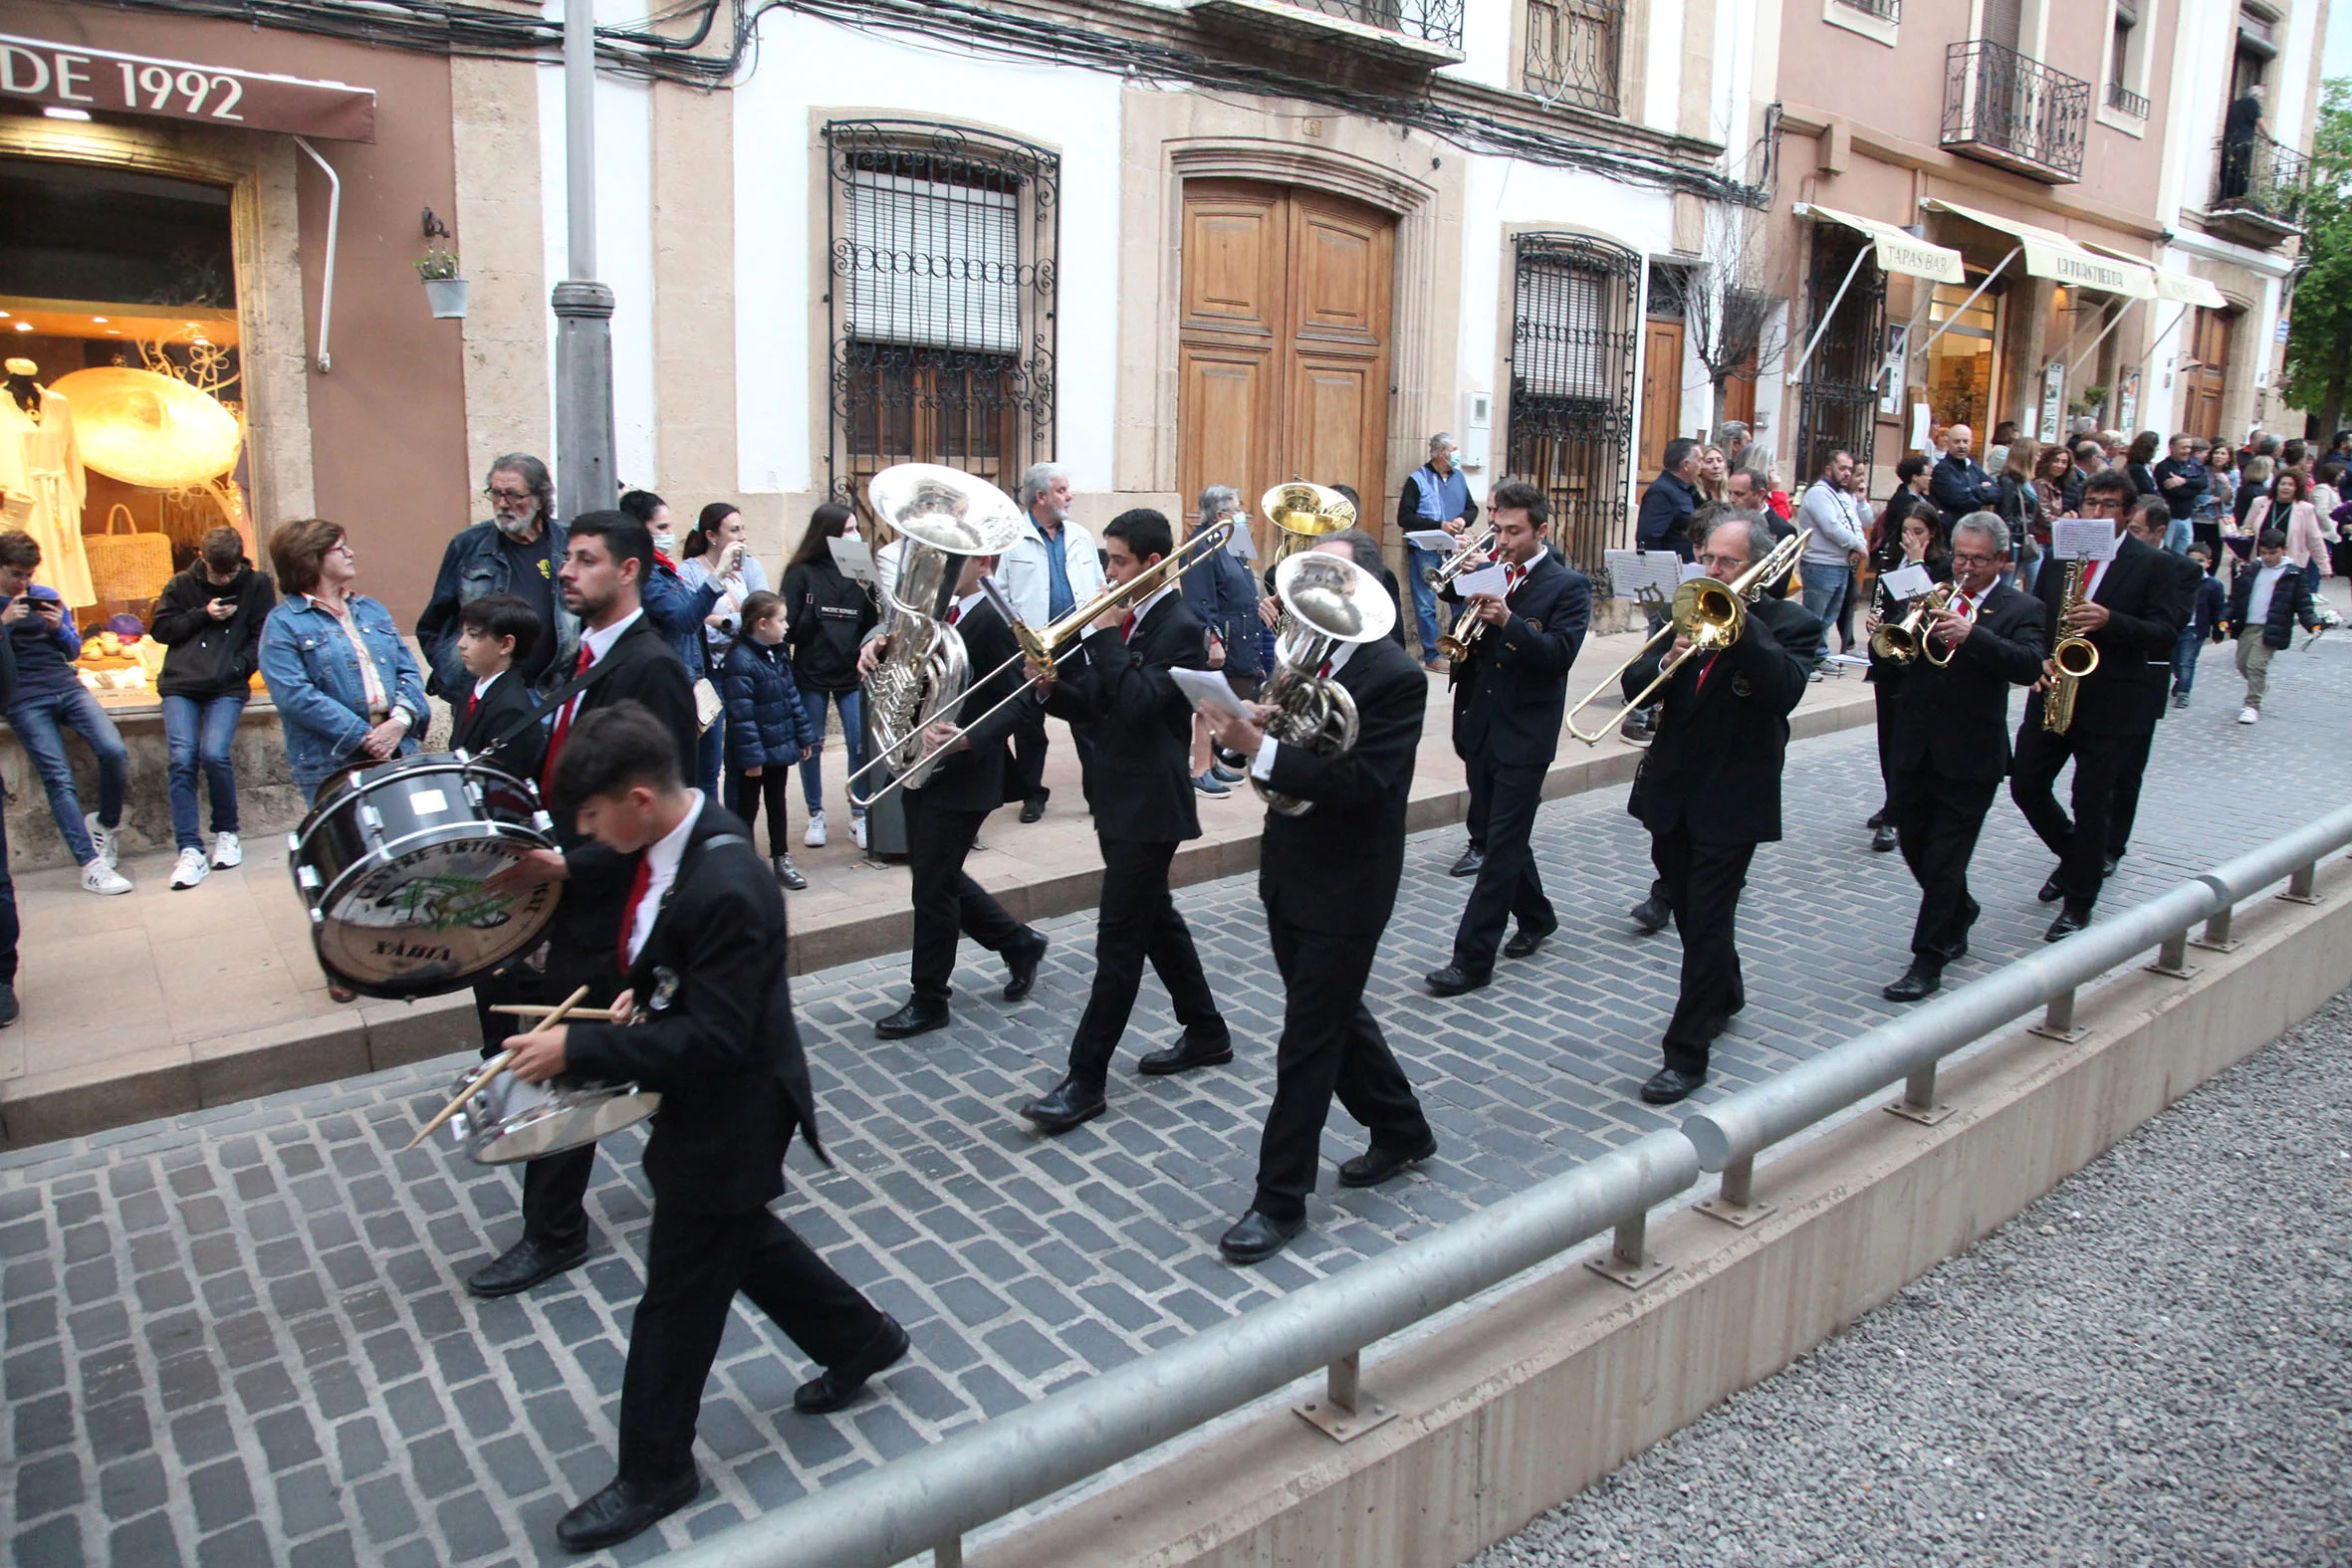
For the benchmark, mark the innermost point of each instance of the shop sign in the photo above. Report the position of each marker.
(63, 75)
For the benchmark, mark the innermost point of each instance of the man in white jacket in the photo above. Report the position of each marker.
(1835, 548)
(1051, 569)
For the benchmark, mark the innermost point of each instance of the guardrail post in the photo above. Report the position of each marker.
(1736, 1205)
(2172, 958)
(1345, 1412)
(1918, 1103)
(2058, 1019)
(948, 1553)
(1628, 1260)
(2299, 885)
(2217, 938)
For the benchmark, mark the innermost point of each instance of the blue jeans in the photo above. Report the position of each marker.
(199, 731)
(708, 754)
(1417, 561)
(2311, 576)
(851, 704)
(8, 926)
(2185, 653)
(40, 723)
(1825, 591)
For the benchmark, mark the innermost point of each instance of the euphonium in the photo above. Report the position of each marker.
(1901, 641)
(2075, 657)
(1327, 600)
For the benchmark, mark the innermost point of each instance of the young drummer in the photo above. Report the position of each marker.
(495, 632)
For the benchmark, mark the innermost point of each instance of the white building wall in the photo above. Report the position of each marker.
(1486, 43)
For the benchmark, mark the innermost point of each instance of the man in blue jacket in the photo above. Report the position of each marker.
(518, 550)
(1960, 484)
(1668, 506)
(1434, 495)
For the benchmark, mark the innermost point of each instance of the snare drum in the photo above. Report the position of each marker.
(512, 1120)
(391, 863)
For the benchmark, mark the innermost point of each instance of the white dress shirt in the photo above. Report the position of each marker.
(661, 856)
(598, 643)
(1149, 599)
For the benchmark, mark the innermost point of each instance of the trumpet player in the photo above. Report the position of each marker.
(1946, 740)
(2131, 610)
(1509, 696)
(1144, 807)
(1709, 789)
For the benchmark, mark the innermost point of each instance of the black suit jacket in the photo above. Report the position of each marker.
(1956, 718)
(1337, 868)
(1511, 692)
(2148, 602)
(974, 779)
(1726, 739)
(477, 733)
(1143, 724)
(645, 669)
(719, 1042)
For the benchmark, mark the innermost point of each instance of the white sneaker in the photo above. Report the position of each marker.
(858, 832)
(191, 869)
(99, 877)
(227, 853)
(2248, 714)
(814, 837)
(108, 841)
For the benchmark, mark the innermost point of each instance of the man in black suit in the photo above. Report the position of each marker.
(1328, 880)
(1708, 791)
(2150, 520)
(1508, 697)
(1143, 808)
(1947, 748)
(2133, 613)
(702, 940)
(623, 657)
(943, 818)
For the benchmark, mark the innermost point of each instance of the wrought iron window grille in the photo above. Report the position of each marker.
(2261, 176)
(1433, 21)
(1575, 326)
(1573, 51)
(2006, 108)
(942, 300)
(2125, 101)
(1837, 404)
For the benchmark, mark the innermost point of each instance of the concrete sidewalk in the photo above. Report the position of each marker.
(160, 1003)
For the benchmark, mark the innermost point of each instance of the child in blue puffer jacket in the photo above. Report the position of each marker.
(767, 729)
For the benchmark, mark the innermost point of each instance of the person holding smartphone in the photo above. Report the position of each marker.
(209, 617)
(49, 699)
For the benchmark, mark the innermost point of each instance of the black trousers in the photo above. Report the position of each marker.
(1330, 1045)
(1703, 884)
(554, 1187)
(1504, 798)
(2081, 842)
(2126, 810)
(1882, 694)
(1138, 921)
(772, 787)
(947, 901)
(1028, 756)
(694, 1266)
(1938, 819)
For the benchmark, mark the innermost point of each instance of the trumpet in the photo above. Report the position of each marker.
(2075, 657)
(1477, 545)
(1904, 640)
(1712, 616)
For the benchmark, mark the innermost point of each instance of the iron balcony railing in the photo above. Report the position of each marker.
(2264, 177)
(2124, 101)
(1884, 10)
(1432, 21)
(2006, 108)
(1573, 51)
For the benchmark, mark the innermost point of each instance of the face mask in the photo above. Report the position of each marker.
(666, 542)
(516, 526)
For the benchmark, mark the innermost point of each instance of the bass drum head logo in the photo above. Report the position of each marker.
(426, 917)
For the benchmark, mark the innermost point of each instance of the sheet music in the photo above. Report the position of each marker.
(1435, 539)
(1908, 582)
(856, 560)
(1208, 690)
(2083, 539)
(1646, 575)
(1486, 579)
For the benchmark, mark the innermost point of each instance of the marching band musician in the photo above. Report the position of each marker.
(1144, 807)
(1949, 745)
(1328, 880)
(702, 940)
(625, 658)
(1708, 791)
(2133, 608)
(943, 818)
(1509, 696)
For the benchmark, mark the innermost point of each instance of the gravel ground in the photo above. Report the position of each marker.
(2151, 1365)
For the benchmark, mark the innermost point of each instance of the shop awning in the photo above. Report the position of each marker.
(2049, 254)
(2181, 288)
(1896, 251)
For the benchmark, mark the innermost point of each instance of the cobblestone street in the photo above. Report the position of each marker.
(240, 1336)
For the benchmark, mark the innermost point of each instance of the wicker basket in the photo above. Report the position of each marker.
(127, 565)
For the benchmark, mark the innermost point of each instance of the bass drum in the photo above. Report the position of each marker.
(391, 863)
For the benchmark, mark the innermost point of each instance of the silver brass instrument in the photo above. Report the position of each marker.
(1477, 545)
(1712, 616)
(1327, 600)
(1905, 639)
(2075, 657)
(940, 515)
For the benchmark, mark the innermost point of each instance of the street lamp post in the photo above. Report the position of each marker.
(585, 458)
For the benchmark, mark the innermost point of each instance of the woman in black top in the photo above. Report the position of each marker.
(826, 616)
(2137, 462)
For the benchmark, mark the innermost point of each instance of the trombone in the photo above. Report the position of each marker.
(1712, 616)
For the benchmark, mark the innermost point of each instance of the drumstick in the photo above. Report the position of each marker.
(539, 1009)
(498, 1064)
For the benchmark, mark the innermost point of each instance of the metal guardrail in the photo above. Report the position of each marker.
(931, 1499)
(2261, 176)
(2012, 109)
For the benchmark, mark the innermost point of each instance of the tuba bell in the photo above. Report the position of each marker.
(1328, 599)
(1302, 514)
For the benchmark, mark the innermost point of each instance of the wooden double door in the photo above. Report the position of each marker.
(2202, 387)
(1283, 345)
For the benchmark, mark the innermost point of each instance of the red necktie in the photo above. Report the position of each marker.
(1323, 670)
(554, 744)
(628, 913)
(1513, 576)
(1705, 670)
(955, 612)
(471, 698)
(1127, 627)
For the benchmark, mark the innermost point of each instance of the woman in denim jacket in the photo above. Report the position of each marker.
(347, 687)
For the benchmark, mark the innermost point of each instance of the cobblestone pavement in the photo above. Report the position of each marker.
(239, 1336)
(2150, 1365)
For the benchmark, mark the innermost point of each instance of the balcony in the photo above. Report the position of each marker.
(1420, 33)
(1573, 51)
(2124, 101)
(2004, 108)
(2260, 191)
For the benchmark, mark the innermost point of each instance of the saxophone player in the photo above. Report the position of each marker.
(1329, 878)
(2131, 610)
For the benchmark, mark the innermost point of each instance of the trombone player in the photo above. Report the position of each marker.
(1709, 789)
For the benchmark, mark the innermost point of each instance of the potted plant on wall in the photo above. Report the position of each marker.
(444, 290)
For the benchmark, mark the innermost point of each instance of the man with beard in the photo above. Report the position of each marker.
(518, 551)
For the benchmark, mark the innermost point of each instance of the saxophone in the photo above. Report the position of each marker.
(2073, 657)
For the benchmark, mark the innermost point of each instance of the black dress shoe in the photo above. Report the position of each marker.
(1878, 819)
(1021, 957)
(1068, 1104)
(523, 1265)
(919, 1016)
(2049, 893)
(1668, 1085)
(837, 1385)
(2069, 921)
(1451, 981)
(1523, 941)
(1883, 839)
(1376, 1165)
(1033, 808)
(623, 1509)
(1651, 915)
(1186, 1054)
(1472, 859)
(1921, 980)
(1254, 1238)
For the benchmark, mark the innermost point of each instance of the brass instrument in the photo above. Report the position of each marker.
(1904, 640)
(1328, 599)
(1459, 638)
(1302, 513)
(2075, 657)
(1712, 616)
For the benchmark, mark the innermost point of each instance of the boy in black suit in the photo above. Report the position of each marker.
(703, 939)
(495, 633)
